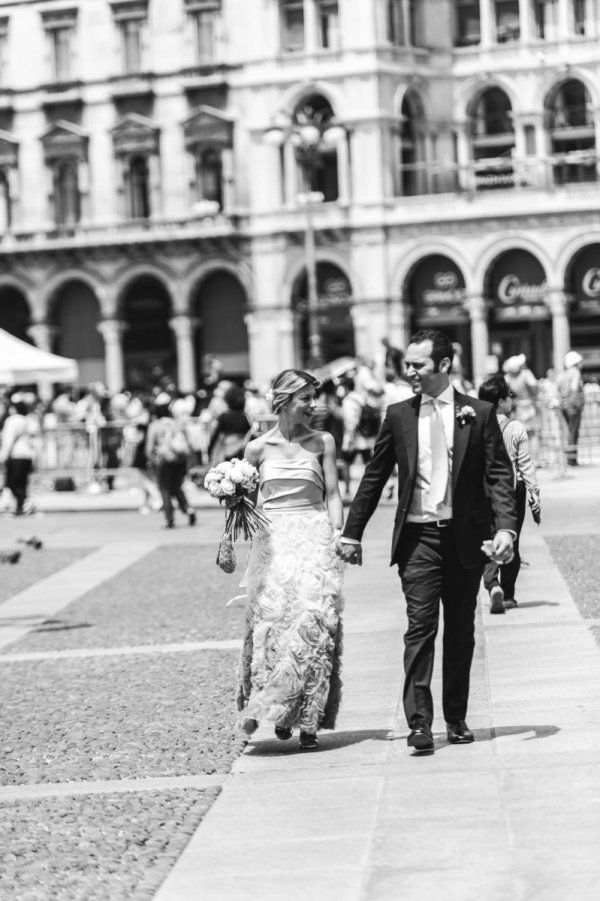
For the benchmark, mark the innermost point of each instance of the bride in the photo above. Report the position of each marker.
(290, 662)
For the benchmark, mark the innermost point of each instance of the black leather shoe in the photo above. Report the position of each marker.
(283, 733)
(459, 733)
(308, 741)
(420, 739)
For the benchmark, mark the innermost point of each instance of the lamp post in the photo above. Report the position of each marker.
(308, 139)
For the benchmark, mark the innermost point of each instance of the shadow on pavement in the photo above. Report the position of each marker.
(328, 741)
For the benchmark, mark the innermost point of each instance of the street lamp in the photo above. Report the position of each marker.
(308, 139)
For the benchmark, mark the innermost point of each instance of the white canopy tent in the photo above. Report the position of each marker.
(21, 363)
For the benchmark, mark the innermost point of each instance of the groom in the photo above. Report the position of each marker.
(455, 490)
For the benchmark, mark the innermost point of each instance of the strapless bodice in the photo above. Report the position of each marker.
(292, 486)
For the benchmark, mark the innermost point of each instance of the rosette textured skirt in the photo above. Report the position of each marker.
(290, 663)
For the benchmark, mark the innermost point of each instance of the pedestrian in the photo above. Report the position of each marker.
(168, 448)
(572, 399)
(290, 662)
(524, 385)
(500, 579)
(19, 447)
(231, 429)
(362, 413)
(455, 490)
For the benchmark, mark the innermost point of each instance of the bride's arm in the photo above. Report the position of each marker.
(253, 454)
(333, 498)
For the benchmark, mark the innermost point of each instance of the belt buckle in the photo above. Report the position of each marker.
(443, 523)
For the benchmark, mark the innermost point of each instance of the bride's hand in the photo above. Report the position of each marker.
(350, 553)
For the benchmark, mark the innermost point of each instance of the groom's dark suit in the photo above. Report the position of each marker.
(440, 562)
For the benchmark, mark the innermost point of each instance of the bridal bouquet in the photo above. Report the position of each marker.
(231, 482)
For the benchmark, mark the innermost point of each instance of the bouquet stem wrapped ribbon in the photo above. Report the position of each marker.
(231, 482)
(242, 518)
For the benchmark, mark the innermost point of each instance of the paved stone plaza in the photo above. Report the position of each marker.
(120, 767)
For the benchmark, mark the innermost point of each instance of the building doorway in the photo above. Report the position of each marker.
(148, 342)
(75, 314)
(219, 305)
(334, 319)
(15, 315)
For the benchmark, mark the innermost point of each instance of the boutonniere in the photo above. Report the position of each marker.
(465, 414)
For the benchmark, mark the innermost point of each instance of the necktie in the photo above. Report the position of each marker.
(439, 459)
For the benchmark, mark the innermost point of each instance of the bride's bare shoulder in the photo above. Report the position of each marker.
(255, 449)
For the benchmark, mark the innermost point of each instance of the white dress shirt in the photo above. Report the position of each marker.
(418, 510)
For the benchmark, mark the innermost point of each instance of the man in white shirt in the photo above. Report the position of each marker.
(455, 490)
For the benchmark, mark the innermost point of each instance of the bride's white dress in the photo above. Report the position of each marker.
(290, 661)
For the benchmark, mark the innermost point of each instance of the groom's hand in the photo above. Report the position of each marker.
(502, 547)
(350, 553)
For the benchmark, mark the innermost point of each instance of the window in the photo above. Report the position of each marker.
(468, 28)
(3, 40)
(328, 24)
(59, 26)
(546, 18)
(66, 194)
(579, 14)
(395, 23)
(5, 211)
(205, 23)
(508, 26)
(292, 25)
(130, 17)
(61, 53)
(209, 176)
(138, 188)
(131, 43)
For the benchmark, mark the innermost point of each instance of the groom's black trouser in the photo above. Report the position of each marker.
(430, 571)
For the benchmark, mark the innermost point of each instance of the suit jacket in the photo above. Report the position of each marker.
(483, 497)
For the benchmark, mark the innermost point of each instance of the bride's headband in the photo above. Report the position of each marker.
(287, 384)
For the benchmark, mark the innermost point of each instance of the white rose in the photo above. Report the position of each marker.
(227, 487)
(236, 475)
(224, 467)
(248, 469)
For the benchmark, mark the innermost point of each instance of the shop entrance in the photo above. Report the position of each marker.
(534, 339)
(334, 319)
(582, 285)
(520, 322)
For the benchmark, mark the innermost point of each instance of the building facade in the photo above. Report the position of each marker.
(163, 162)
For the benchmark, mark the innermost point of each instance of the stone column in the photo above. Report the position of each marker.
(561, 338)
(466, 179)
(154, 186)
(344, 176)
(596, 114)
(399, 322)
(479, 337)
(564, 18)
(183, 328)
(112, 330)
(228, 180)
(42, 333)
(525, 10)
(84, 190)
(487, 23)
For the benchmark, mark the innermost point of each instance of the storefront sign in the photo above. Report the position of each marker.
(333, 289)
(518, 288)
(437, 291)
(585, 282)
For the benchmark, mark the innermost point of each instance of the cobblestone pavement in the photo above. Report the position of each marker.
(117, 710)
(117, 723)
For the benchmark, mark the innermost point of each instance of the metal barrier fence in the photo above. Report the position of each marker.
(87, 454)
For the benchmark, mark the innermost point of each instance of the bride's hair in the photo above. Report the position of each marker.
(287, 383)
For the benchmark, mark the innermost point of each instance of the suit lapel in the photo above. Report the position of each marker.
(410, 429)
(461, 437)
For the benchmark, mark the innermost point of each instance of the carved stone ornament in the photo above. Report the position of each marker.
(207, 125)
(193, 6)
(129, 9)
(9, 150)
(64, 139)
(135, 134)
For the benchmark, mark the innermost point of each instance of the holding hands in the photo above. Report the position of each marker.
(349, 553)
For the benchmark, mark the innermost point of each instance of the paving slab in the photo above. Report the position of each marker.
(365, 820)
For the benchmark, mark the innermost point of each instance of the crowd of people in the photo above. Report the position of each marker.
(91, 430)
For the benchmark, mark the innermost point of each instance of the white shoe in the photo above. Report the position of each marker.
(496, 600)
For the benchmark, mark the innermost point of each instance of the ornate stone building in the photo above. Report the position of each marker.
(154, 175)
